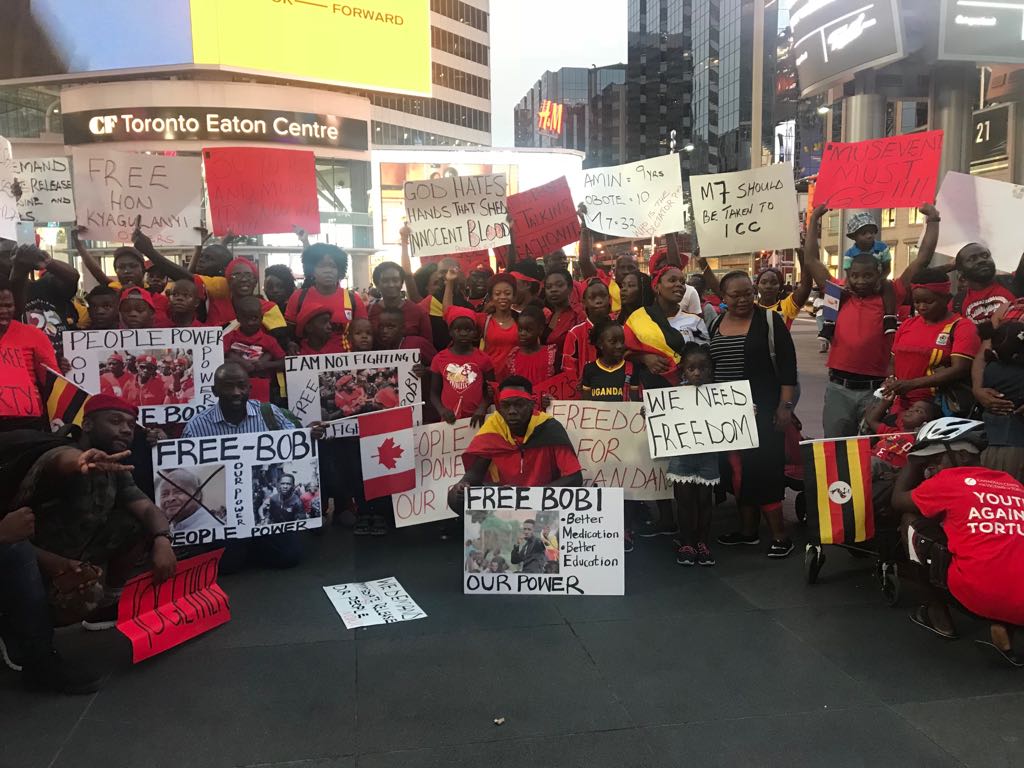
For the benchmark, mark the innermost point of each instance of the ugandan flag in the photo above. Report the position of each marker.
(837, 478)
(65, 401)
(495, 440)
(647, 334)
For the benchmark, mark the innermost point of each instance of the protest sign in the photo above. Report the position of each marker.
(543, 541)
(636, 199)
(746, 210)
(366, 603)
(976, 209)
(438, 462)
(456, 213)
(113, 188)
(543, 219)
(45, 189)
(561, 386)
(328, 387)
(466, 260)
(895, 172)
(708, 419)
(256, 191)
(18, 393)
(166, 372)
(610, 440)
(158, 617)
(8, 205)
(237, 486)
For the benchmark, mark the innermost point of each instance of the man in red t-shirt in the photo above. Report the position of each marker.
(115, 380)
(516, 446)
(987, 292)
(147, 388)
(981, 513)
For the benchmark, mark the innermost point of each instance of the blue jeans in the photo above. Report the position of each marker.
(23, 600)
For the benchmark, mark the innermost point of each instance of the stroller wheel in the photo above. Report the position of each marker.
(814, 559)
(890, 583)
(800, 507)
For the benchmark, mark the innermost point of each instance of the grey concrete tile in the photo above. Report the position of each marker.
(714, 666)
(607, 749)
(326, 762)
(34, 724)
(846, 738)
(985, 731)
(234, 706)
(440, 690)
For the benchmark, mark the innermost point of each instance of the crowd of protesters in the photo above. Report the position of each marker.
(79, 517)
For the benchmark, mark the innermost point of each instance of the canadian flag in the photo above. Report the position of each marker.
(386, 447)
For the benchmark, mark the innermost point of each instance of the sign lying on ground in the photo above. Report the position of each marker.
(166, 372)
(746, 210)
(543, 541)
(543, 219)
(158, 617)
(453, 214)
(238, 486)
(328, 387)
(896, 172)
(610, 440)
(708, 419)
(366, 603)
(636, 199)
(113, 188)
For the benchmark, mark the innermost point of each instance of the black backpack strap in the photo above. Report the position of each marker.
(269, 417)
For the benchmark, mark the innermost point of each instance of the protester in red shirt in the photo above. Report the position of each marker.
(183, 299)
(24, 352)
(858, 359)
(517, 446)
(531, 359)
(255, 349)
(102, 302)
(934, 348)
(499, 333)
(115, 379)
(324, 266)
(981, 513)
(476, 286)
(560, 314)
(459, 386)
(987, 292)
(137, 309)
(577, 350)
(315, 333)
(389, 278)
(897, 438)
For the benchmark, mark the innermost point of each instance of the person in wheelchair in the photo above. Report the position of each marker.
(976, 553)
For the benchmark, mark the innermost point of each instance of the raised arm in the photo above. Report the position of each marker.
(802, 292)
(587, 268)
(812, 255)
(876, 412)
(145, 246)
(672, 259)
(710, 278)
(412, 291)
(928, 243)
(91, 263)
(450, 279)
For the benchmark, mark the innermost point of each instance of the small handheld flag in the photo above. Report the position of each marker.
(65, 401)
(838, 490)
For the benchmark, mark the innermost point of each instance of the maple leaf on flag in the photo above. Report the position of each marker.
(388, 453)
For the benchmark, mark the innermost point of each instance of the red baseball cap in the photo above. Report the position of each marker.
(138, 293)
(109, 403)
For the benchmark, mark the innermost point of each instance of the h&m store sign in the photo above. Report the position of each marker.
(214, 124)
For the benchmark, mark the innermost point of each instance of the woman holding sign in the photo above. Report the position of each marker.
(745, 346)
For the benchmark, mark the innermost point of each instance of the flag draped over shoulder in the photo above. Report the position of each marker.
(837, 480)
(495, 440)
(65, 401)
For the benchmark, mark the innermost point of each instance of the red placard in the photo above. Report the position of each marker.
(897, 172)
(543, 219)
(261, 191)
(466, 260)
(156, 618)
(561, 386)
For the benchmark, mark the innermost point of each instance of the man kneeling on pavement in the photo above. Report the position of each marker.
(80, 527)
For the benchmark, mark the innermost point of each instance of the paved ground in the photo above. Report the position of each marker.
(742, 664)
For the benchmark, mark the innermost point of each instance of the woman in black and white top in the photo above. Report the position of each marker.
(743, 347)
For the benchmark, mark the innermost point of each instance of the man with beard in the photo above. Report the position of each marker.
(987, 292)
(147, 388)
(180, 496)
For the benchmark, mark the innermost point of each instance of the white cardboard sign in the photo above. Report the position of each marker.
(238, 486)
(687, 420)
(455, 214)
(636, 199)
(46, 193)
(438, 462)
(8, 205)
(543, 541)
(746, 210)
(171, 397)
(366, 603)
(113, 188)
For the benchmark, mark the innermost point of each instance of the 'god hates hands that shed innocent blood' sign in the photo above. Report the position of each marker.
(457, 213)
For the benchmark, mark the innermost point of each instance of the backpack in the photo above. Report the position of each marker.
(270, 418)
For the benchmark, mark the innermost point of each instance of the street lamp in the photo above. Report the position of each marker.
(824, 109)
(688, 147)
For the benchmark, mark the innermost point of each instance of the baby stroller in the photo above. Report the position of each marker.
(845, 507)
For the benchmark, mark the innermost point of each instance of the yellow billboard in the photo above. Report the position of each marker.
(381, 45)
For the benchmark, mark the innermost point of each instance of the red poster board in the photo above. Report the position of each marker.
(256, 191)
(156, 618)
(561, 386)
(897, 172)
(543, 219)
(466, 260)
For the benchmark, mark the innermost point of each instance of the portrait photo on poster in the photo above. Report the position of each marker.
(193, 498)
(511, 541)
(285, 492)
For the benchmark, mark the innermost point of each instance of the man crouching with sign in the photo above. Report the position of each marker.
(77, 514)
(516, 446)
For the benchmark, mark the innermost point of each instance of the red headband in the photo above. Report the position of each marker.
(939, 288)
(656, 277)
(526, 278)
(238, 261)
(512, 394)
(453, 313)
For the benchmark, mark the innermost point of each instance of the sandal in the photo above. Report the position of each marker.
(920, 617)
(1009, 656)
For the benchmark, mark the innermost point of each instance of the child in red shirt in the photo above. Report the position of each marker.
(459, 385)
(136, 308)
(531, 359)
(578, 349)
(253, 347)
(897, 439)
(182, 302)
(316, 334)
